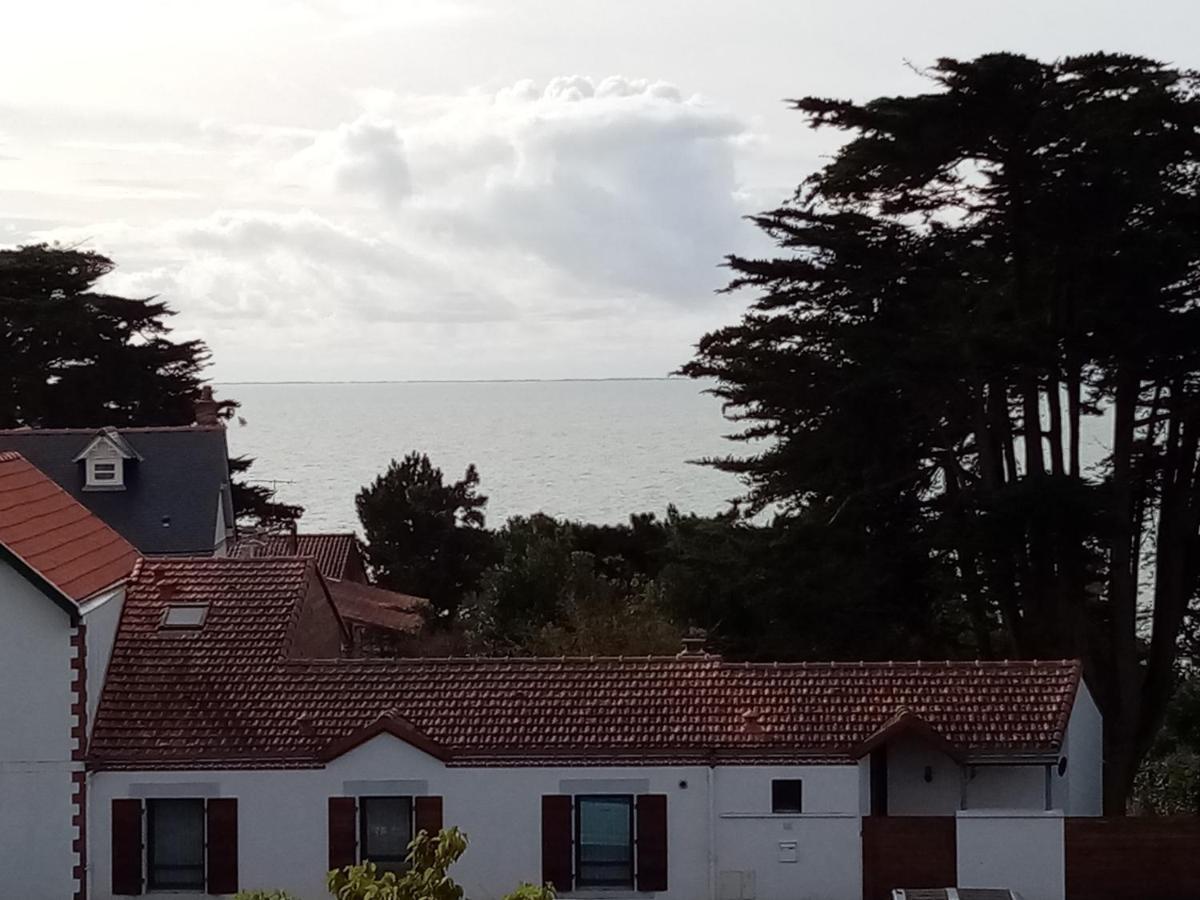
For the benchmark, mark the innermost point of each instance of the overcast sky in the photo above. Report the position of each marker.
(410, 189)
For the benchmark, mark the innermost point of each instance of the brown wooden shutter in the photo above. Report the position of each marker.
(127, 846)
(556, 841)
(652, 842)
(222, 846)
(343, 832)
(428, 815)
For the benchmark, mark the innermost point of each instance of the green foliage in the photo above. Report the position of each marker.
(426, 876)
(425, 537)
(526, 891)
(552, 593)
(1014, 253)
(263, 895)
(75, 356)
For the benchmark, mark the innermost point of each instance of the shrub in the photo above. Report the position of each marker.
(526, 891)
(425, 878)
(263, 895)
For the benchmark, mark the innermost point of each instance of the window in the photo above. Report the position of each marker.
(175, 844)
(604, 841)
(105, 472)
(385, 831)
(786, 794)
(184, 615)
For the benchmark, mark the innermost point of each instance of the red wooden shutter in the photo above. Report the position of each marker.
(343, 832)
(222, 846)
(127, 846)
(556, 841)
(652, 842)
(429, 815)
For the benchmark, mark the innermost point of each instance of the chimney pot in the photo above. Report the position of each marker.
(693, 644)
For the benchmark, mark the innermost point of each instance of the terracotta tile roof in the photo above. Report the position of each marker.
(55, 536)
(379, 608)
(331, 551)
(230, 693)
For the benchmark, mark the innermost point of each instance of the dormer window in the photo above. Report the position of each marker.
(105, 472)
(104, 461)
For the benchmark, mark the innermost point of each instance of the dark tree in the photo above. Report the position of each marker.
(981, 273)
(71, 356)
(425, 537)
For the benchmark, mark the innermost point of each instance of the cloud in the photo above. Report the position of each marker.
(364, 156)
(544, 215)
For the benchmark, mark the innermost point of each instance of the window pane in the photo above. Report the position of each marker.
(786, 795)
(604, 840)
(176, 843)
(386, 830)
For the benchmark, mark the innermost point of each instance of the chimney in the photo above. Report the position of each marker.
(693, 644)
(206, 408)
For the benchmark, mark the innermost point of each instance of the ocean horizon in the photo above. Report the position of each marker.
(590, 449)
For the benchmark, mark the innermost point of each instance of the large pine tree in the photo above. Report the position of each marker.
(981, 272)
(72, 356)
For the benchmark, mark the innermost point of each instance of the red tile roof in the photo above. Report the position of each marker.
(232, 693)
(379, 608)
(331, 551)
(55, 536)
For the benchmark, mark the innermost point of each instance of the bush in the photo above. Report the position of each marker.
(425, 878)
(263, 895)
(526, 891)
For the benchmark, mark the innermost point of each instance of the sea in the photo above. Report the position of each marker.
(593, 451)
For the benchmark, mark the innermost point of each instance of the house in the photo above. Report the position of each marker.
(165, 490)
(230, 721)
(381, 622)
(62, 577)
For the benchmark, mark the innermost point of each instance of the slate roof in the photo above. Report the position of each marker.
(172, 493)
(234, 694)
(331, 551)
(378, 607)
(55, 537)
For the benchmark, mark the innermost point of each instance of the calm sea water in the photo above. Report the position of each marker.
(590, 450)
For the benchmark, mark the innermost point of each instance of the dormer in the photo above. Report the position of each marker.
(104, 461)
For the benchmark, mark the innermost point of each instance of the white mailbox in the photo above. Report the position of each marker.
(787, 851)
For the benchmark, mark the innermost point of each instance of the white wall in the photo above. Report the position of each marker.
(908, 792)
(754, 846)
(36, 857)
(1022, 852)
(1007, 787)
(1081, 788)
(283, 829)
(101, 621)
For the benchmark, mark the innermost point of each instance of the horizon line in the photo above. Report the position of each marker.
(462, 380)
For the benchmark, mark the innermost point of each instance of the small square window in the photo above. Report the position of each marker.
(184, 615)
(786, 795)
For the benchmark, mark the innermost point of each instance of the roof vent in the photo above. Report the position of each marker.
(184, 616)
(694, 644)
(752, 722)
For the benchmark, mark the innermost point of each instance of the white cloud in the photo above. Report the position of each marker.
(543, 213)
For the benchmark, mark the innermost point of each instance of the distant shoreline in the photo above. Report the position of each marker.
(472, 380)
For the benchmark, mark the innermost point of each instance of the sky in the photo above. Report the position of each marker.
(334, 190)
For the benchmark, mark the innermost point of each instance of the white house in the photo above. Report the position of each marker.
(62, 574)
(234, 746)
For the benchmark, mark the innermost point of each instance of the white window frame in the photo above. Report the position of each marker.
(94, 474)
